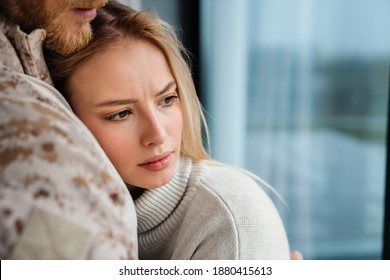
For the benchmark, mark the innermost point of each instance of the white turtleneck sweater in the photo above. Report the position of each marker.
(209, 212)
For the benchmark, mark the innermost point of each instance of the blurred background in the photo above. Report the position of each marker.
(296, 91)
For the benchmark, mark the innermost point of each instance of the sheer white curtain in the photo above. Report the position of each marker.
(224, 56)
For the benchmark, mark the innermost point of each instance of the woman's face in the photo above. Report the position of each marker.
(127, 97)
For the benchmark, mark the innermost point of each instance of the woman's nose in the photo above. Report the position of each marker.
(153, 131)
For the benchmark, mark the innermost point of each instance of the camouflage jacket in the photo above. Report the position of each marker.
(60, 197)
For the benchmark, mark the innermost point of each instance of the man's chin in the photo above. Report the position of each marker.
(68, 40)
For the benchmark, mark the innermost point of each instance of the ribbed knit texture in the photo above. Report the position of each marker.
(209, 212)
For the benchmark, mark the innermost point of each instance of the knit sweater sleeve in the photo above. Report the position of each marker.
(231, 217)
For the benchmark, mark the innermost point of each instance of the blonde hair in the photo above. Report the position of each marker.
(116, 22)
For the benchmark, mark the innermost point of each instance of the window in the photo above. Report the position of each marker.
(297, 92)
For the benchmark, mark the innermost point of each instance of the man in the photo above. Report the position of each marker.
(60, 197)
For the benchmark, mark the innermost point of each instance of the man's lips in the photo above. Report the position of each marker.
(87, 13)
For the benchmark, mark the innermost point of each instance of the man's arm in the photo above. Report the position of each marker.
(60, 197)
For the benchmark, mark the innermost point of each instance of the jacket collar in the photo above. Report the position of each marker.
(28, 48)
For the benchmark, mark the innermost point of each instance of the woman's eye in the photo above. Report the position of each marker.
(119, 116)
(168, 101)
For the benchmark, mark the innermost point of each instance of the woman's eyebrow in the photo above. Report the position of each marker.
(166, 88)
(116, 102)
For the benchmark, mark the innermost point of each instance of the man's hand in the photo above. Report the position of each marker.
(296, 256)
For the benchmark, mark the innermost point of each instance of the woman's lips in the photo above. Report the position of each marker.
(158, 162)
(84, 13)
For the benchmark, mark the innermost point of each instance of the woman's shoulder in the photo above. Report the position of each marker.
(234, 188)
(226, 181)
(233, 198)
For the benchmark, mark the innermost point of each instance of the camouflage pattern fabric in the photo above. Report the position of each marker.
(60, 197)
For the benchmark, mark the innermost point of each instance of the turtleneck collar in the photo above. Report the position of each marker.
(160, 211)
(155, 206)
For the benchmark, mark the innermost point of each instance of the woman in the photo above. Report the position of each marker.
(133, 89)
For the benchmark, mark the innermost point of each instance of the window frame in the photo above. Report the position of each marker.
(386, 221)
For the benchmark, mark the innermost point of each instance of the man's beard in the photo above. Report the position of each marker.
(62, 37)
(65, 39)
